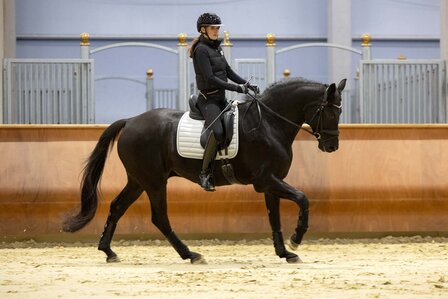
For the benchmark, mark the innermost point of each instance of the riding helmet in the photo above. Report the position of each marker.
(208, 19)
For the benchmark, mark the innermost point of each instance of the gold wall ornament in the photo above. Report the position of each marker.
(85, 39)
(226, 41)
(365, 40)
(182, 37)
(286, 73)
(270, 40)
(149, 74)
(401, 57)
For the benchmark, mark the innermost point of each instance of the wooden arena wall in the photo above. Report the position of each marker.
(383, 178)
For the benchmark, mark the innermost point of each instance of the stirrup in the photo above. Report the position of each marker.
(205, 181)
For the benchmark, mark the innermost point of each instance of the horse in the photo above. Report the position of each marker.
(268, 125)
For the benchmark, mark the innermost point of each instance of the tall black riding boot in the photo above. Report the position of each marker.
(206, 176)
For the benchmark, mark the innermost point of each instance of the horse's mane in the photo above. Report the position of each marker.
(284, 84)
(295, 82)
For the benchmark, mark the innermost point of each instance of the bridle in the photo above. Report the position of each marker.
(317, 114)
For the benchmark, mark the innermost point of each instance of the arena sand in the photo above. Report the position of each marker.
(391, 267)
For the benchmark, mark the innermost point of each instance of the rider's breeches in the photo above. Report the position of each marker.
(210, 109)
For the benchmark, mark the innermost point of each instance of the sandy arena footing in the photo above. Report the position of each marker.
(391, 267)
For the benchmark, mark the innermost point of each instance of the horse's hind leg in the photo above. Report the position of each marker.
(118, 207)
(160, 219)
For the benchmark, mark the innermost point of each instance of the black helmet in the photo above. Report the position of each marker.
(208, 19)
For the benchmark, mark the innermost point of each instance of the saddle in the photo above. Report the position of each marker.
(227, 119)
(190, 140)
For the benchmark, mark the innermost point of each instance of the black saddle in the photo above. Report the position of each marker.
(227, 119)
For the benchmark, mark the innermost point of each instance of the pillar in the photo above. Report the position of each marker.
(7, 39)
(365, 44)
(444, 45)
(444, 29)
(227, 49)
(270, 59)
(339, 32)
(182, 48)
(150, 94)
(85, 45)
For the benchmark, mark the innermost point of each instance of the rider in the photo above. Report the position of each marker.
(212, 71)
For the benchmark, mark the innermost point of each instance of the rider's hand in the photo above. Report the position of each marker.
(253, 87)
(242, 88)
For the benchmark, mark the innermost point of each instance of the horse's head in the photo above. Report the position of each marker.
(323, 117)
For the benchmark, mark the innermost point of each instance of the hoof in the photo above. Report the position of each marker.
(292, 245)
(197, 259)
(113, 259)
(292, 258)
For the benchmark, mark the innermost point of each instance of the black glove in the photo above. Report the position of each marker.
(254, 88)
(242, 88)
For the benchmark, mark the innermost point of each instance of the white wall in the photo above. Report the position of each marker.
(51, 28)
(168, 17)
(396, 18)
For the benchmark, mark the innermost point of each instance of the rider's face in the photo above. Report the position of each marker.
(212, 32)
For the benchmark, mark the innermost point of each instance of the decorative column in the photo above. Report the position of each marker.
(366, 55)
(365, 44)
(182, 48)
(339, 32)
(2, 55)
(7, 39)
(149, 89)
(270, 59)
(9, 28)
(444, 30)
(85, 45)
(227, 49)
(444, 45)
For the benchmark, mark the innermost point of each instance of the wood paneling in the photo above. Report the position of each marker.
(383, 178)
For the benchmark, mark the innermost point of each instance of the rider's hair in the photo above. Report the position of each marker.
(193, 45)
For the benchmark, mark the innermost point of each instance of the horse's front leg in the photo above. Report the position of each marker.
(273, 206)
(281, 189)
(302, 223)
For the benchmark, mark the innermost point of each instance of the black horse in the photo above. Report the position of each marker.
(267, 128)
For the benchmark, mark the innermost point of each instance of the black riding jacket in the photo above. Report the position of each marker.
(211, 67)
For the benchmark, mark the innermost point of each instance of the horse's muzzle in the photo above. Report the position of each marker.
(331, 148)
(328, 148)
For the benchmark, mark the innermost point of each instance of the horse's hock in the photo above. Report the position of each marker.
(384, 178)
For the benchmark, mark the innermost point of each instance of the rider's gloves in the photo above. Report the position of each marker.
(242, 88)
(253, 87)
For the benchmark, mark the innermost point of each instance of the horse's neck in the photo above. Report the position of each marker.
(292, 102)
(284, 121)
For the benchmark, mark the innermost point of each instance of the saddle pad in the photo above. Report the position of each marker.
(188, 138)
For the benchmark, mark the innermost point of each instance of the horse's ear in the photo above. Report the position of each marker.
(329, 92)
(341, 85)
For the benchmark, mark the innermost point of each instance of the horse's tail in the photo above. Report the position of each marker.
(91, 177)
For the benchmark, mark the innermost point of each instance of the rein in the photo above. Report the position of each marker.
(273, 112)
(318, 113)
